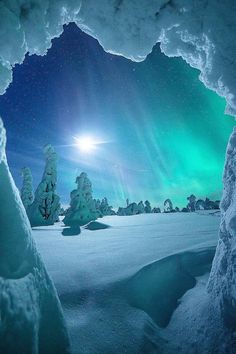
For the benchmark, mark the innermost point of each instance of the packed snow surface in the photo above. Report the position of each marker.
(93, 273)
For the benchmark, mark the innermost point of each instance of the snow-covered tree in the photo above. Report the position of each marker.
(121, 211)
(62, 211)
(31, 315)
(141, 208)
(200, 204)
(217, 204)
(46, 206)
(82, 206)
(148, 208)
(168, 206)
(105, 208)
(209, 204)
(185, 210)
(97, 204)
(191, 202)
(156, 210)
(27, 194)
(132, 209)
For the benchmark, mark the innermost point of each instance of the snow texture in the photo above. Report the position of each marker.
(187, 331)
(27, 194)
(201, 32)
(46, 206)
(100, 275)
(222, 283)
(31, 318)
(158, 287)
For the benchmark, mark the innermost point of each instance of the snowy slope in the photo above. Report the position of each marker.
(91, 272)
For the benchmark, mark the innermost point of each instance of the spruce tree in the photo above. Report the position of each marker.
(82, 206)
(46, 206)
(27, 194)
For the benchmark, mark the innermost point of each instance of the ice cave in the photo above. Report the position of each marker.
(202, 33)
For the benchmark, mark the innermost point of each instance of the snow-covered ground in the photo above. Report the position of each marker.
(95, 271)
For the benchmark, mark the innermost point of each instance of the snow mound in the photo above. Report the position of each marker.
(187, 331)
(71, 231)
(99, 265)
(95, 225)
(157, 287)
(31, 318)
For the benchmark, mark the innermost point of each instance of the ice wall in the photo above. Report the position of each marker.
(31, 318)
(222, 282)
(201, 32)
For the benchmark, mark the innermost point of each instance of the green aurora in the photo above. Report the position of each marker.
(166, 133)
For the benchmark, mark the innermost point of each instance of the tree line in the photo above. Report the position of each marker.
(43, 207)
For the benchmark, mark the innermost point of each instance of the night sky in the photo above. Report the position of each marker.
(165, 134)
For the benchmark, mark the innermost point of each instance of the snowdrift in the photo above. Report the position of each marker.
(31, 318)
(95, 225)
(157, 287)
(71, 231)
(102, 264)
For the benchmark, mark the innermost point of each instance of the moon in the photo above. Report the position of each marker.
(85, 143)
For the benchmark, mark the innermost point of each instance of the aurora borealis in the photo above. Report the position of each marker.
(166, 133)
